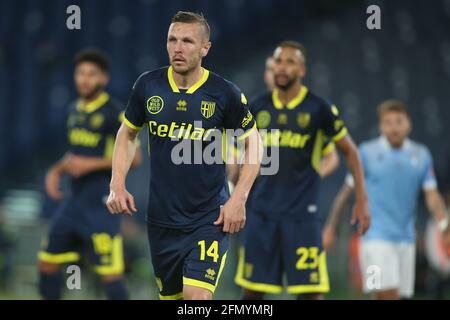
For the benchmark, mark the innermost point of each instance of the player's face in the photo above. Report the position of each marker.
(89, 79)
(396, 126)
(269, 77)
(186, 46)
(289, 67)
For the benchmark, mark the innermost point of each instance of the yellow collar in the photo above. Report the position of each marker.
(192, 89)
(94, 104)
(291, 104)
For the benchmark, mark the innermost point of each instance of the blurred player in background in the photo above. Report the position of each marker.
(330, 158)
(396, 168)
(283, 234)
(190, 210)
(82, 222)
(269, 77)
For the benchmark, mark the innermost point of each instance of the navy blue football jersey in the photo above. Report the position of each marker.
(301, 132)
(187, 193)
(91, 132)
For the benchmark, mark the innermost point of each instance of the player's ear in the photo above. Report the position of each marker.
(105, 78)
(303, 70)
(409, 124)
(206, 48)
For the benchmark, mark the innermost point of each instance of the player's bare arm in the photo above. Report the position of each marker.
(232, 215)
(436, 205)
(77, 166)
(329, 163)
(360, 211)
(120, 200)
(53, 177)
(337, 209)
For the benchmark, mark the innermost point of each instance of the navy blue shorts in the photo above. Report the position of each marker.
(193, 258)
(274, 248)
(84, 227)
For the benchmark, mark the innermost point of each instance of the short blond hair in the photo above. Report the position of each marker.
(192, 17)
(391, 105)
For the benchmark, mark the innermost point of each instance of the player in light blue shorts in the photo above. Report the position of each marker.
(396, 169)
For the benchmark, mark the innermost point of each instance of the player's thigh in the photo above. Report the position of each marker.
(304, 258)
(407, 267)
(167, 249)
(206, 257)
(259, 267)
(380, 265)
(62, 244)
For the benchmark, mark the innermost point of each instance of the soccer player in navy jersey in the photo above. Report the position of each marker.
(283, 235)
(190, 211)
(81, 223)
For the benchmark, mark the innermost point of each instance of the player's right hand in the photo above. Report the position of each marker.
(52, 184)
(328, 237)
(120, 201)
(361, 215)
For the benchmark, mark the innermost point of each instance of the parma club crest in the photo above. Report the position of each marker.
(207, 109)
(303, 119)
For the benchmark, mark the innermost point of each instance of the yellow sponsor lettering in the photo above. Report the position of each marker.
(284, 138)
(83, 137)
(179, 131)
(162, 130)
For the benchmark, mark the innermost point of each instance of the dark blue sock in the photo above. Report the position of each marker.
(115, 290)
(50, 285)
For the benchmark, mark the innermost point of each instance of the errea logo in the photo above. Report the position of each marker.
(181, 105)
(210, 274)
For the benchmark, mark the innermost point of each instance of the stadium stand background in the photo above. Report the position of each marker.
(357, 68)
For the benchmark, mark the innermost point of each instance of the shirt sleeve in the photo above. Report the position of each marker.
(328, 147)
(238, 116)
(429, 181)
(135, 113)
(115, 119)
(332, 124)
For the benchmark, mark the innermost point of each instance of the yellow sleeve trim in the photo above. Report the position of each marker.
(178, 296)
(58, 258)
(121, 116)
(130, 124)
(340, 135)
(329, 148)
(247, 133)
(198, 283)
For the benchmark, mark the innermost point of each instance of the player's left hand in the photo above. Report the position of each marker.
(78, 166)
(361, 215)
(232, 215)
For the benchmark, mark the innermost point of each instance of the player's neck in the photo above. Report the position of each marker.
(86, 100)
(290, 93)
(185, 81)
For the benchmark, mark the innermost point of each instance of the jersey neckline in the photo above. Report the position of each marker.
(291, 104)
(193, 88)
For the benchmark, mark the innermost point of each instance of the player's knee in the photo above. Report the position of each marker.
(112, 278)
(387, 295)
(194, 293)
(115, 288)
(47, 267)
(252, 295)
